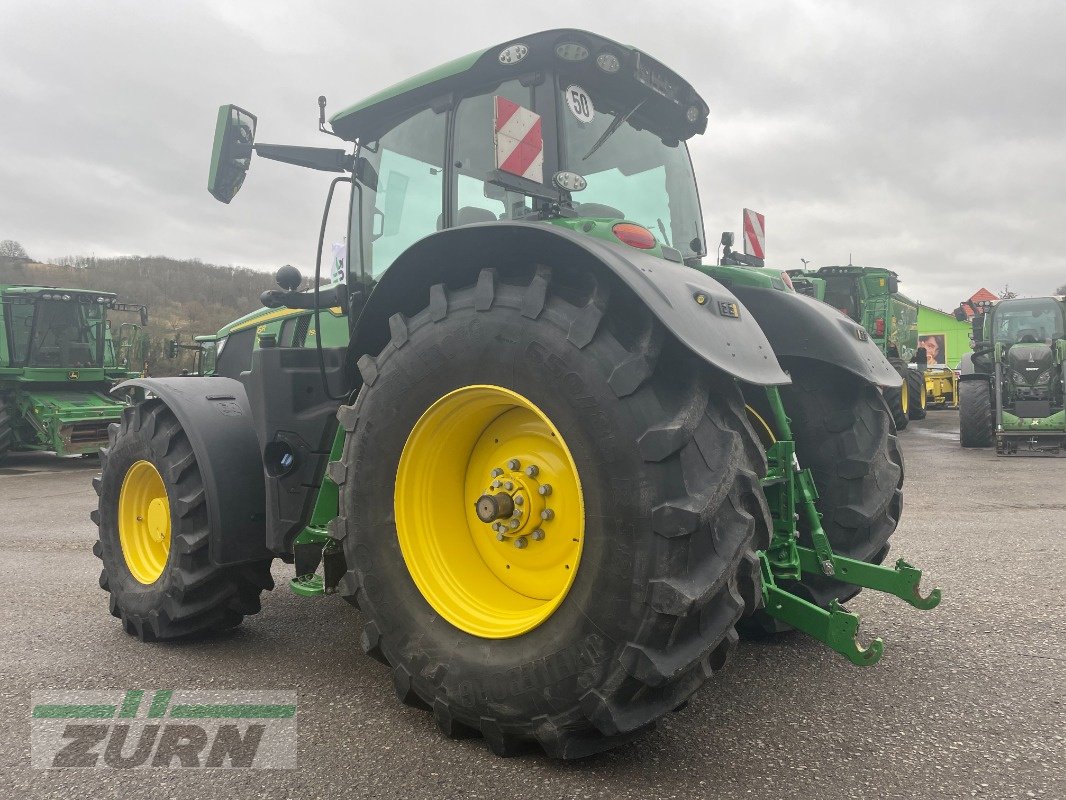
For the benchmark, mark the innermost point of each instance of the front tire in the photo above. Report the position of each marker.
(976, 426)
(7, 433)
(153, 535)
(916, 400)
(668, 472)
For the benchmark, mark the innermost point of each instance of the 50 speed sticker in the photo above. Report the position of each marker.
(580, 104)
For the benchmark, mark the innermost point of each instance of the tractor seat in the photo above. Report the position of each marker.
(468, 215)
(1027, 336)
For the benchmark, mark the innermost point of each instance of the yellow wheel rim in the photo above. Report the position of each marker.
(144, 522)
(923, 400)
(904, 398)
(500, 577)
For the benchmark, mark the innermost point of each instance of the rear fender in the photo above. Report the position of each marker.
(718, 329)
(215, 415)
(802, 327)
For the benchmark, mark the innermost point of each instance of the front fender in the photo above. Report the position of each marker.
(215, 416)
(719, 329)
(802, 327)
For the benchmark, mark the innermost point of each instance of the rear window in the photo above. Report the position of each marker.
(236, 355)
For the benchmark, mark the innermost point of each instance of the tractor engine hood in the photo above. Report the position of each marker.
(1030, 361)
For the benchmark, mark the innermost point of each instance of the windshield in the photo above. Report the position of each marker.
(56, 333)
(840, 293)
(1028, 321)
(633, 174)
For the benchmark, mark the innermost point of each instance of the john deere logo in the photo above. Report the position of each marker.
(862, 335)
(163, 729)
(72, 375)
(728, 309)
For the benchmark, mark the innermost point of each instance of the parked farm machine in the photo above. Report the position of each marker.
(559, 459)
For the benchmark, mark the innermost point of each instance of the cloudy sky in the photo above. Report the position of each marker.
(927, 137)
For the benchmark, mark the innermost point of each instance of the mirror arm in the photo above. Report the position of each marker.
(327, 298)
(326, 159)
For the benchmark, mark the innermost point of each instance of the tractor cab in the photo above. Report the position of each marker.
(563, 127)
(1038, 320)
(55, 328)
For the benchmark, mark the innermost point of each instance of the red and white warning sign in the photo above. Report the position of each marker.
(519, 140)
(754, 233)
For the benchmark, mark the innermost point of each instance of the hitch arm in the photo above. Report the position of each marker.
(836, 627)
(902, 581)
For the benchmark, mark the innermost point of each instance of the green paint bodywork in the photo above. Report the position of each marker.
(63, 409)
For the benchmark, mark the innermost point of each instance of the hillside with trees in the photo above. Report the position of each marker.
(184, 298)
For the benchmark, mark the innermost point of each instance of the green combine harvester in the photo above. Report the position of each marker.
(558, 460)
(1013, 398)
(871, 297)
(58, 363)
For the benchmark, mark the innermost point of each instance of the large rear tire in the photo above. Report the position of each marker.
(667, 468)
(843, 433)
(915, 394)
(976, 426)
(153, 535)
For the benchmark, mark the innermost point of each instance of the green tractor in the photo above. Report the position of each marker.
(870, 296)
(1013, 397)
(229, 351)
(58, 363)
(558, 460)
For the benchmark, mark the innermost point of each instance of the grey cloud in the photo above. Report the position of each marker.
(925, 137)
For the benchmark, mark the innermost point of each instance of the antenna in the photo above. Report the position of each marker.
(849, 260)
(322, 113)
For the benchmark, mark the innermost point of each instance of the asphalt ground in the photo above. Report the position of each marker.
(968, 699)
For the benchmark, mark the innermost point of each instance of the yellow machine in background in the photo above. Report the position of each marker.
(941, 387)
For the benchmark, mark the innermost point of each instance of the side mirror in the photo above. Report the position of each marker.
(171, 349)
(231, 154)
(727, 238)
(893, 284)
(144, 315)
(960, 314)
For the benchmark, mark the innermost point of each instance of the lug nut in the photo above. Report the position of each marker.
(518, 500)
(515, 523)
(520, 542)
(532, 470)
(538, 535)
(513, 464)
(545, 489)
(517, 512)
(547, 514)
(497, 472)
(496, 485)
(500, 536)
(509, 485)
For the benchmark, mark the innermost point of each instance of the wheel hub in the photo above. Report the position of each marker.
(515, 504)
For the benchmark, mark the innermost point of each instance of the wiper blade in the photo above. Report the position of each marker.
(611, 129)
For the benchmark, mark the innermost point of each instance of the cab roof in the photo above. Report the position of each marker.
(23, 289)
(379, 112)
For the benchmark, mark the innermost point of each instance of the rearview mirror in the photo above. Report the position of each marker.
(144, 315)
(232, 152)
(171, 349)
(893, 284)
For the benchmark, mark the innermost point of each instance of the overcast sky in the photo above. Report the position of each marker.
(926, 137)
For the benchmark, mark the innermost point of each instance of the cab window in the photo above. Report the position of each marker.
(477, 200)
(405, 202)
